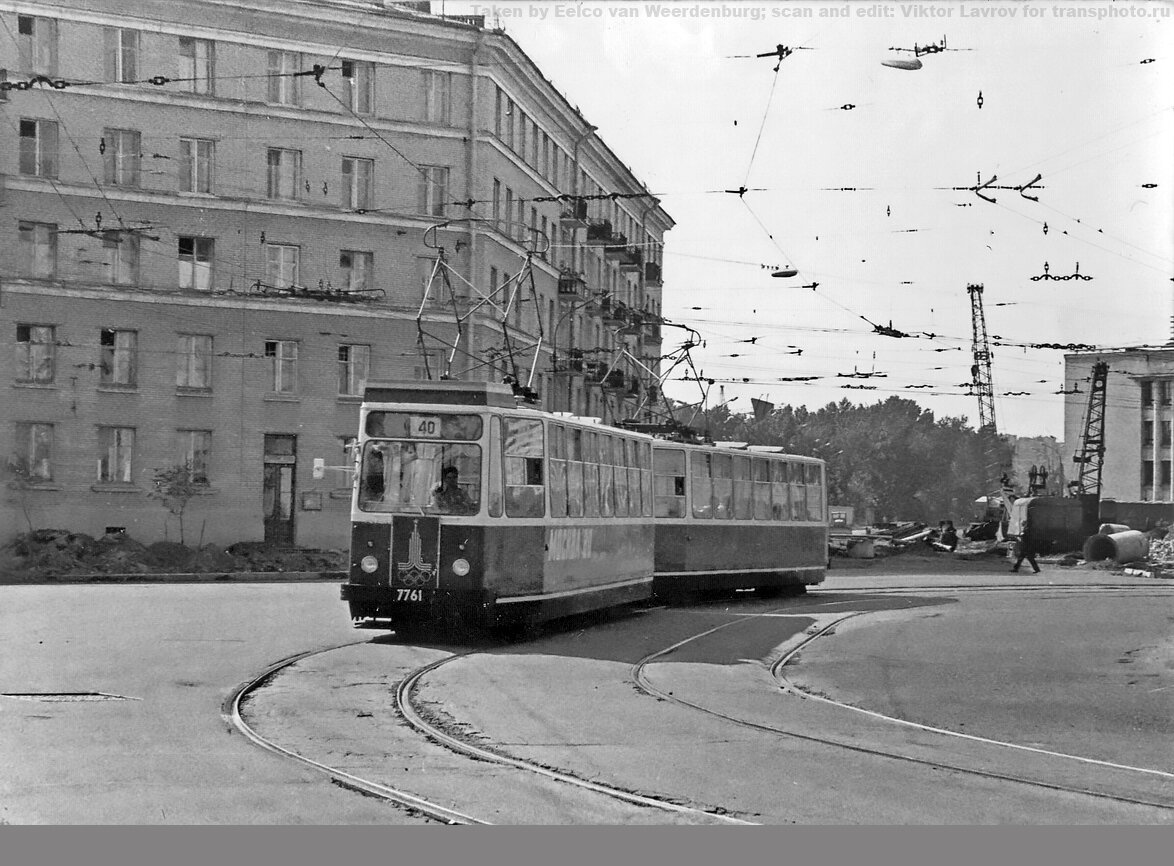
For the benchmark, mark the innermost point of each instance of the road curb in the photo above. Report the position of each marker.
(209, 577)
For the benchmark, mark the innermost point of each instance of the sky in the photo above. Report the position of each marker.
(850, 168)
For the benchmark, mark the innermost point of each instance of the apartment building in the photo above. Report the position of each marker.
(221, 218)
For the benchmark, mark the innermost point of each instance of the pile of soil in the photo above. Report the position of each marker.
(49, 553)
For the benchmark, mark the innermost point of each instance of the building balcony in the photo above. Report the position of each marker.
(574, 214)
(632, 260)
(652, 275)
(571, 284)
(323, 292)
(599, 233)
(571, 363)
(615, 380)
(617, 249)
(613, 313)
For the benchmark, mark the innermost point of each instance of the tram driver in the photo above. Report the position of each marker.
(448, 495)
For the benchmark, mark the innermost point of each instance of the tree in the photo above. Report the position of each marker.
(19, 477)
(174, 487)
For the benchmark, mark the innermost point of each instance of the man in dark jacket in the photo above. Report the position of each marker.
(1028, 547)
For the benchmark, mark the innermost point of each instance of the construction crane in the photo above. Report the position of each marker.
(980, 371)
(1091, 456)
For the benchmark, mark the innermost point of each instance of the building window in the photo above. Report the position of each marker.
(506, 226)
(120, 258)
(116, 447)
(497, 203)
(1163, 388)
(195, 164)
(284, 354)
(354, 364)
(33, 450)
(37, 44)
(357, 269)
(1147, 433)
(122, 156)
(38, 147)
(192, 450)
(122, 54)
(196, 58)
(35, 353)
(433, 189)
(357, 182)
(358, 78)
(195, 263)
(1147, 393)
(1147, 476)
(38, 249)
(118, 357)
(193, 362)
(285, 170)
(283, 85)
(437, 97)
(281, 265)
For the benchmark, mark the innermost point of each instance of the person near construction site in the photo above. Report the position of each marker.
(1028, 547)
(949, 537)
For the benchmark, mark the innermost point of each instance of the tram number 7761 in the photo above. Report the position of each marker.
(409, 595)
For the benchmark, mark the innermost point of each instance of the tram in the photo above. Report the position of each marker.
(473, 510)
(734, 516)
(470, 510)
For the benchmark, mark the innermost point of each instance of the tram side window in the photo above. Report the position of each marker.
(701, 485)
(525, 479)
(607, 484)
(495, 471)
(814, 492)
(632, 458)
(590, 474)
(620, 469)
(743, 510)
(558, 470)
(723, 487)
(669, 469)
(644, 449)
(574, 472)
(798, 493)
(780, 496)
(760, 471)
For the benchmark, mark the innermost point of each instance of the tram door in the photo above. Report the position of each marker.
(278, 490)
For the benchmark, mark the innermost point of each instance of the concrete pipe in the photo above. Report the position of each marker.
(1110, 528)
(1121, 547)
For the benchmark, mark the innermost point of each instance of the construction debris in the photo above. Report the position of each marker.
(45, 554)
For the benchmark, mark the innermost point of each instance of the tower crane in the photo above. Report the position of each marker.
(1091, 456)
(980, 371)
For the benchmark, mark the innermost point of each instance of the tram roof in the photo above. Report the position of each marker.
(445, 392)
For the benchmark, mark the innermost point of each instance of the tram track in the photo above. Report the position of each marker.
(231, 711)
(643, 683)
(406, 707)
(431, 726)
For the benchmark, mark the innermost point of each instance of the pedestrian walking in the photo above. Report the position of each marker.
(1028, 547)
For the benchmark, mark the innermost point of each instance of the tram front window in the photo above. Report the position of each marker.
(420, 477)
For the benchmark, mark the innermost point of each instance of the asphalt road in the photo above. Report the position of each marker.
(1085, 673)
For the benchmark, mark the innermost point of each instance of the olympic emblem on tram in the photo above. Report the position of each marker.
(415, 572)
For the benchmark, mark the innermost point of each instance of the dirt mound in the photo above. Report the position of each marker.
(46, 554)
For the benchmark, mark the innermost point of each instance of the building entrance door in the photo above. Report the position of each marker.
(278, 490)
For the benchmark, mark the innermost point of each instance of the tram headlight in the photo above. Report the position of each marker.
(460, 567)
(369, 564)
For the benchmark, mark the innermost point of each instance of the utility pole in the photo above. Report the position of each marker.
(980, 371)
